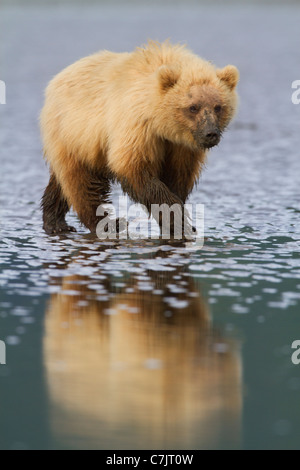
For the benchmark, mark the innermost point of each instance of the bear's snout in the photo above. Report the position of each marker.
(212, 138)
(208, 138)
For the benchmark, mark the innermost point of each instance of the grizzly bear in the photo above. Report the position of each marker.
(145, 119)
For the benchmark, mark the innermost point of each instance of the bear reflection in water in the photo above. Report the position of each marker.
(137, 364)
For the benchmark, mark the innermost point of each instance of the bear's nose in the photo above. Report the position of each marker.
(212, 138)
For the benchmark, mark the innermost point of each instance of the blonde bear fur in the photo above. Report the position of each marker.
(145, 119)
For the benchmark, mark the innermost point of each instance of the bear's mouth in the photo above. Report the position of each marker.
(212, 143)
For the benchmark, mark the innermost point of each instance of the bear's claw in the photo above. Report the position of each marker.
(57, 230)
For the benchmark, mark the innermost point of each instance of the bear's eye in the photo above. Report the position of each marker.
(218, 108)
(194, 109)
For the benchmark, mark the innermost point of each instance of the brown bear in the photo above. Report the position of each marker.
(145, 119)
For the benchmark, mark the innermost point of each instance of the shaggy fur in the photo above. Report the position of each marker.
(145, 119)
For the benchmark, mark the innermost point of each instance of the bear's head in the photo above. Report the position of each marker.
(197, 105)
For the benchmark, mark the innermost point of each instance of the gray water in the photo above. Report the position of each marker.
(150, 344)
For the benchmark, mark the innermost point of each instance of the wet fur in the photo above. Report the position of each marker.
(119, 117)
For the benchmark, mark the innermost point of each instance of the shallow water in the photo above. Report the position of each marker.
(149, 344)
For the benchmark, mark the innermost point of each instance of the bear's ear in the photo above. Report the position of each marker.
(229, 75)
(168, 76)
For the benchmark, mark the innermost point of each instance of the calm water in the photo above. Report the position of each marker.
(145, 344)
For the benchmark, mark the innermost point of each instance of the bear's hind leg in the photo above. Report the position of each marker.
(55, 207)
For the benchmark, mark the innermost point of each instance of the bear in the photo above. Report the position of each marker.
(145, 119)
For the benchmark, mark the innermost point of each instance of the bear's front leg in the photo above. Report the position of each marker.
(166, 208)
